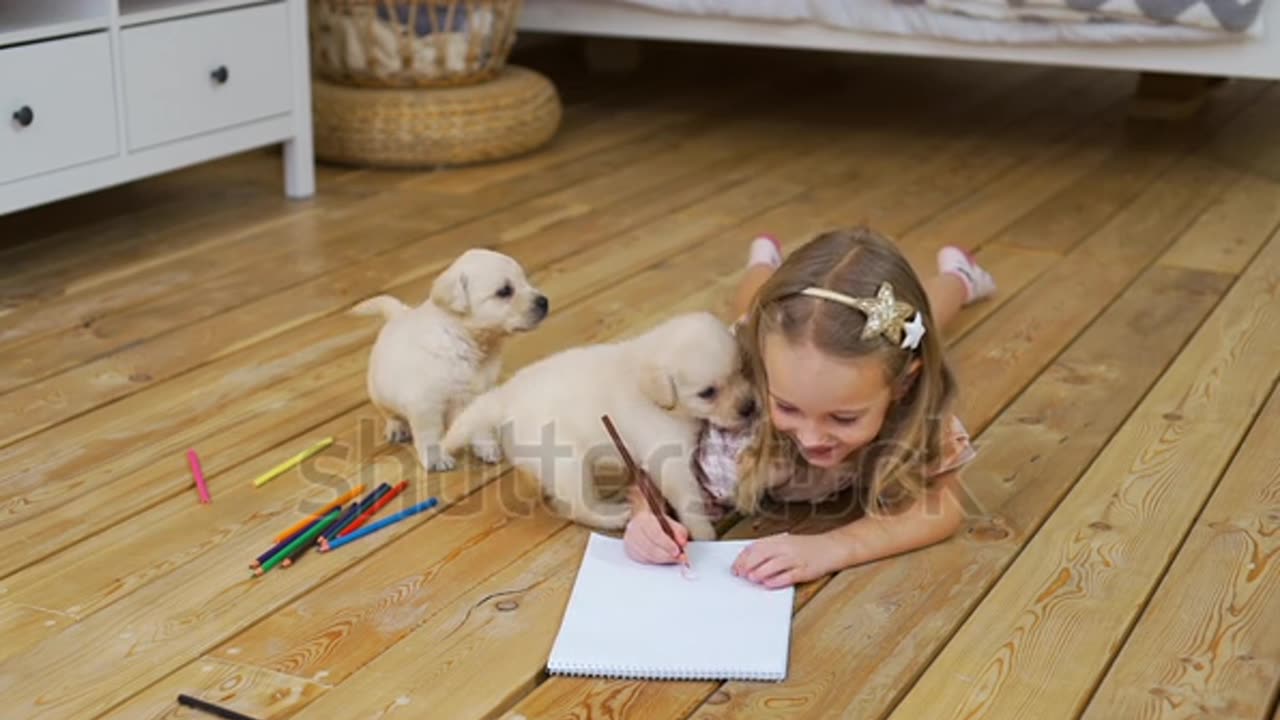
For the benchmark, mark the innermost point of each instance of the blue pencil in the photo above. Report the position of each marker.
(369, 529)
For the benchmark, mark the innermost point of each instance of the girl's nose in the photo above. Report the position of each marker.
(810, 436)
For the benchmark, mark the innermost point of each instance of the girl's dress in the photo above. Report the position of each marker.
(716, 467)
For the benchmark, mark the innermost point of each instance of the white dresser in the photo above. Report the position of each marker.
(94, 93)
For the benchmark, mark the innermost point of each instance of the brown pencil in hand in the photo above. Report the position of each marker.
(648, 488)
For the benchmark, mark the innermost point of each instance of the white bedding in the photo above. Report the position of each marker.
(919, 20)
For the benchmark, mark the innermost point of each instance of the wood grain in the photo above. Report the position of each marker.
(255, 692)
(1020, 339)
(122, 374)
(1232, 221)
(346, 623)
(476, 653)
(1148, 151)
(26, 627)
(1037, 642)
(1206, 645)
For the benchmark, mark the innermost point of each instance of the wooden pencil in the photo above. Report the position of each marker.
(373, 509)
(302, 524)
(307, 537)
(280, 469)
(652, 497)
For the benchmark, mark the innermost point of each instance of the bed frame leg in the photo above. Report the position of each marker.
(611, 55)
(1163, 96)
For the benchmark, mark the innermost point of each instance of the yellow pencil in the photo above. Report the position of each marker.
(295, 460)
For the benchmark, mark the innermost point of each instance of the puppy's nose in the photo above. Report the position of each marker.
(542, 303)
(747, 409)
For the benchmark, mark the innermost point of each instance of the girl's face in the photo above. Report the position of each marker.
(831, 407)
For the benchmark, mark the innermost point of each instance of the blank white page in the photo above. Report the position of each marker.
(633, 620)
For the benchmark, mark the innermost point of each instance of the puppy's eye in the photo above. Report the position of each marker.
(505, 291)
(707, 393)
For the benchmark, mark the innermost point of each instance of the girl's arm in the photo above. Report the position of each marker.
(931, 519)
(782, 560)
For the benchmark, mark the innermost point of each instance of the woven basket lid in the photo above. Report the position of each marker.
(515, 113)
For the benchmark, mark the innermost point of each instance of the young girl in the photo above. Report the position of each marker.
(842, 340)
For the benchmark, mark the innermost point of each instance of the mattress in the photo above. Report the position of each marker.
(1027, 22)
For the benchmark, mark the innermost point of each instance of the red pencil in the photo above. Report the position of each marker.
(373, 509)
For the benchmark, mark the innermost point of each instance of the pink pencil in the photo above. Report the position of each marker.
(199, 474)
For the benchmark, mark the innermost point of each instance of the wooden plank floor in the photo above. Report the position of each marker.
(1123, 559)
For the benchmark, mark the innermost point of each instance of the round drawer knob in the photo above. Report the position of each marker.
(220, 75)
(24, 116)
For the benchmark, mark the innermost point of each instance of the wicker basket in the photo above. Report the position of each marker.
(411, 43)
(517, 112)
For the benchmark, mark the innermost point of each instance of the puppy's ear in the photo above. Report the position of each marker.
(449, 291)
(658, 386)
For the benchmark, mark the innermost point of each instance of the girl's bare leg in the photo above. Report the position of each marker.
(947, 294)
(751, 281)
(960, 281)
(763, 259)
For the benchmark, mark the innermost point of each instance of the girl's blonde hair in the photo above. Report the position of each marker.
(855, 263)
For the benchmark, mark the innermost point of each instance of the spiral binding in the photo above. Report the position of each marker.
(634, 672)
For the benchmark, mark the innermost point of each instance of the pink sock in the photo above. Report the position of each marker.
(765, 250)
(977, 282)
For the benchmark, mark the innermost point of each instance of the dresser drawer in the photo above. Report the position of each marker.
(57, 105)
(199, 74)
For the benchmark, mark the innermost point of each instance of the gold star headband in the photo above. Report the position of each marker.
(886, 315)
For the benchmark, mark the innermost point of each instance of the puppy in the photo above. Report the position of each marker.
(658, 388)
(429, 361)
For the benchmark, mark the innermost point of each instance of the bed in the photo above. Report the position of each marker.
(1221, 38)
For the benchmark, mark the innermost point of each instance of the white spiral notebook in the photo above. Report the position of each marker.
(631, 620)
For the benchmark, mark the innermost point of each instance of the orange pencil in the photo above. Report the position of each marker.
(373, 509)
(321, 512)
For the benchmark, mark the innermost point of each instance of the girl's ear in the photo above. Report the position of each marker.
(908, 379)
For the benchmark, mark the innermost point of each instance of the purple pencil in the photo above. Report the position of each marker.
(282, 544)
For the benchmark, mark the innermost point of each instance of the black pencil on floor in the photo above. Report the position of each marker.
(210, 708)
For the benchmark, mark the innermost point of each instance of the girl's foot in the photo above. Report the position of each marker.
(765, 250)
(978, 283)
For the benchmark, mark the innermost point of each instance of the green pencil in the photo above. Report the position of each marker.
(303, 539)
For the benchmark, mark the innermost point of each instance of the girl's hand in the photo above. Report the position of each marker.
(645, 542)
(781, 560)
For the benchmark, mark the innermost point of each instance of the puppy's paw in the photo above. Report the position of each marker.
(489, 453)
(437, 460)
(398, 433)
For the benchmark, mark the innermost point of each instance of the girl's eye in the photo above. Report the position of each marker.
(783, 407)
(505, 291)
(844, 420)
(707, 393)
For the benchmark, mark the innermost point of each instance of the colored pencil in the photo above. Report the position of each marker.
(282, 544)
(350, 512)
(210, 708)
(291, 462)
(198, 473)
(370, 529)
(303, 539)
(648, 489)
(373, 509)
(346, 520)
(303, 524)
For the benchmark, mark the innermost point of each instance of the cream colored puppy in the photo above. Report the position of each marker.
(657, 387)
(429, 361)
